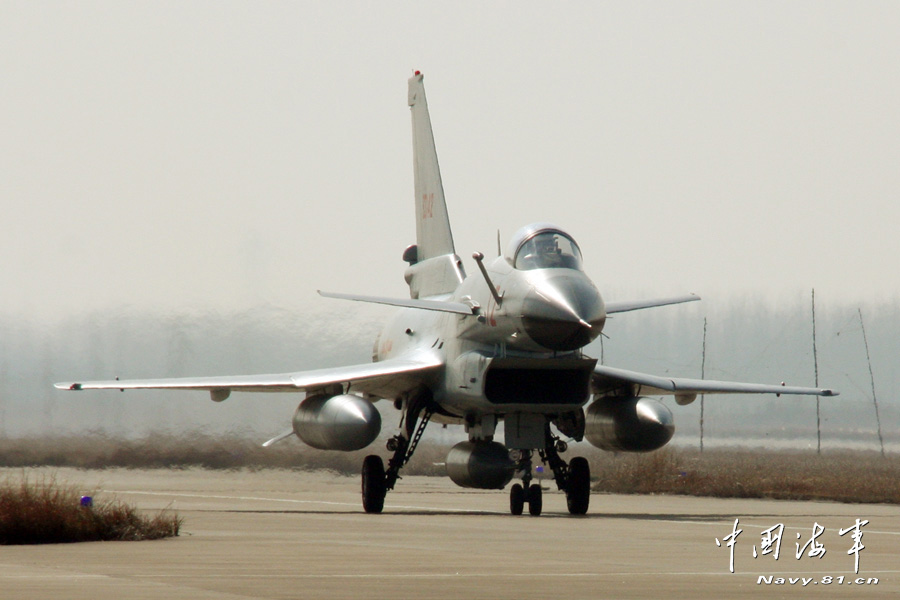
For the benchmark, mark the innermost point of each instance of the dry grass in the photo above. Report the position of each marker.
(47, 512)
(192, 450)
(843, 476)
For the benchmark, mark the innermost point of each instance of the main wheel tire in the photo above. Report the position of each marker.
(578, 488)
(535, 500)
(374, 486)
(516, 499)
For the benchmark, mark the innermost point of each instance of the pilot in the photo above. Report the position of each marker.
(541, 252)
(549, 254)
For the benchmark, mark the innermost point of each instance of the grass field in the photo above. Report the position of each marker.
(844, 476)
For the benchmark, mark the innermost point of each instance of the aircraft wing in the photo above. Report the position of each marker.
(606, 380)
(385, 379)
(438, 305)
(617, 307)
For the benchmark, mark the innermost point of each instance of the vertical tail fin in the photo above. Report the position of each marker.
(433, 234)
(438, 269)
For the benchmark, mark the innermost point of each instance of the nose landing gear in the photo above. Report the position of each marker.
(525, 492)
(574, 478)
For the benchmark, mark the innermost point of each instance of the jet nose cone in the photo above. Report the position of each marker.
(563, 312)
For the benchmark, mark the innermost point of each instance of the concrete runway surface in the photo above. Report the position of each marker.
(282, 534)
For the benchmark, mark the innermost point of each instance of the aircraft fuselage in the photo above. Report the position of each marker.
(519, 353)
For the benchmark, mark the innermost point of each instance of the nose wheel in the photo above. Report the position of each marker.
(520, 495)
(516, 499)
(526, 492)
(535, 500)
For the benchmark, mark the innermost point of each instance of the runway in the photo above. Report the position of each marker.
(283, 534)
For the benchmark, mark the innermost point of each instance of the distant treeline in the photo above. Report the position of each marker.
(747, 340)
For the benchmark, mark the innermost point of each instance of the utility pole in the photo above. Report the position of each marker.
(872, 379)
(702, 376)
(816, 368)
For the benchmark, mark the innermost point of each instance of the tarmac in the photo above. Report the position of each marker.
(286, 534)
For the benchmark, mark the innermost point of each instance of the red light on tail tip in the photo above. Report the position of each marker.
(418, 72)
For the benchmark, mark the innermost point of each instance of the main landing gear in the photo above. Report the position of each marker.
(374, 484)
(574, 478)
(376, 480)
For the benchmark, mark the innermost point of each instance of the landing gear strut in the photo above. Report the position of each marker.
(573, 478)
(376, 480)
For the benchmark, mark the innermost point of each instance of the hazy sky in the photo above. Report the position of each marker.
(227, 155)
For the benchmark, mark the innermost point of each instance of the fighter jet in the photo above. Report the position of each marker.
(502, 345)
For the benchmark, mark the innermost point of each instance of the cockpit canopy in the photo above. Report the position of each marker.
(543, 246)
